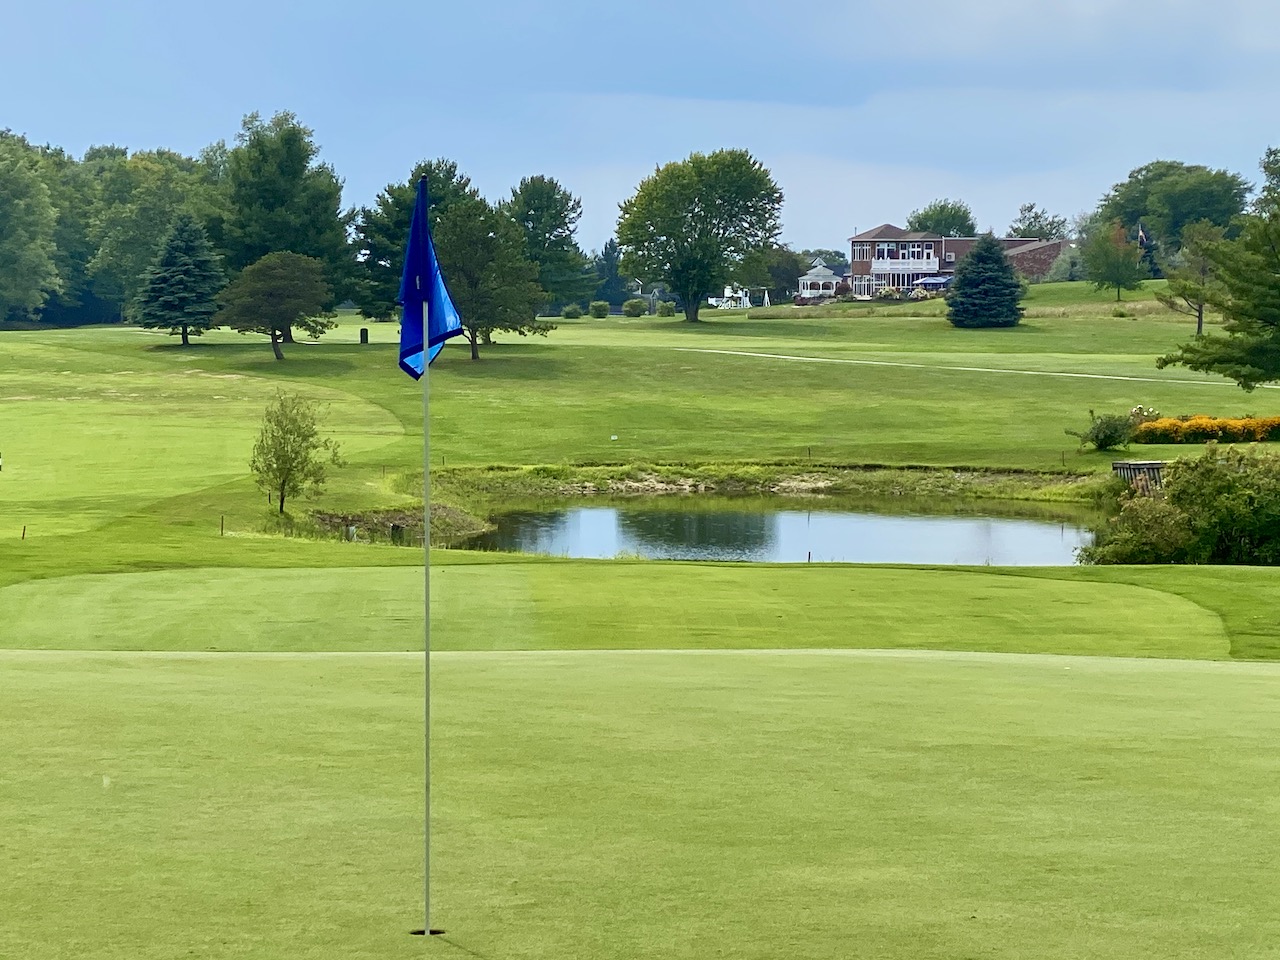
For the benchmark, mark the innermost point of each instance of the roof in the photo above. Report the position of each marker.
(822, 272)
(887, 231)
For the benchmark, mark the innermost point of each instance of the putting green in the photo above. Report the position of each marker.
(604, 605)
(639, 805)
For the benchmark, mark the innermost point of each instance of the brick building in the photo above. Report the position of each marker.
(889, 256)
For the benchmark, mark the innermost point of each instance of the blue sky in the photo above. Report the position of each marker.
(863, 111)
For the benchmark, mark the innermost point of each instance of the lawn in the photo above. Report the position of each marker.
(663, 805)
(212, 742)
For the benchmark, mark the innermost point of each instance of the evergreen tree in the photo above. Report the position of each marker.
(986, 290)
(611, 285)
(380, 231)
(178, 293)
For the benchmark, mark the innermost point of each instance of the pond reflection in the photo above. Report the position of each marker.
(784, 535)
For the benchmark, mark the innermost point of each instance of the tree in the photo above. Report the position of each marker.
(548, 215)
(611, 285)
(493, 284)
(1249, 298)
(986, 291)
(1068, 266)
(289, 456)
(27, 270)
(1033, 221)
(692, 222)
(275, 294)
(1111, 260)
(282, 198)
(1166, 195)
(948, 218)
(778, 269)
(834, 259)
(1193, 280)
(179, 292)
(139, 199)
(380, 231)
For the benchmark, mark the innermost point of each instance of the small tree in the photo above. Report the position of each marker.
(1112, 261)
(1193, 282)
(179, 293)
(1033, 221)
(275, 294)
(290, 455)
(986, 291)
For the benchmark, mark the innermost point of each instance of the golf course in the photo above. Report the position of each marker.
(212, 715)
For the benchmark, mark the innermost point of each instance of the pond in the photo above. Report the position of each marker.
(785, 534)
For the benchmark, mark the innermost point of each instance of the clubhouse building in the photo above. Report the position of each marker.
(891, 257)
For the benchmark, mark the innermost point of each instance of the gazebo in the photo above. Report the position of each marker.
(820, 281)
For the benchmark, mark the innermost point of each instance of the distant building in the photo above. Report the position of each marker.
(892, 257)
(820, 281)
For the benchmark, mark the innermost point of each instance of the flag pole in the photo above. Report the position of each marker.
(426, 659)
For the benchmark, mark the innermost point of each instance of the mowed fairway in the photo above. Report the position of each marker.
(212, 744)
(664, 805)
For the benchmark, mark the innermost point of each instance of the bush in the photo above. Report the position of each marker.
(666, 308)
(1221, 507)
(635, 308)
(1105, 432)
(599, 309)
(843, 289)
(571, 311)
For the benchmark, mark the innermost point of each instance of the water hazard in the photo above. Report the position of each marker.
(785, 535)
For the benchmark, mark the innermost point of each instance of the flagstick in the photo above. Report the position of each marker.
(426, 580)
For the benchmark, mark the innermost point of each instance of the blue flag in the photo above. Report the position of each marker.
(423, 296)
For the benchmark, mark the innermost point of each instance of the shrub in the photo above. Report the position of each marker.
(635, 308)
(888, 293)
(1122, 312)
(1221, 507)
(571, 311)
(599, 309)
(666, 308)
(1105, 432)
(843, 289)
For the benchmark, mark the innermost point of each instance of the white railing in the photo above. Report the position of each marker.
(923, 265)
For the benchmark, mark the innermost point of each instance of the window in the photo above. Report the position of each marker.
(882, 250)
(862, 251)
(917, 251)
(928, 251)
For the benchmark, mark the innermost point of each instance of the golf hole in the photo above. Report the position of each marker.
(422, 933)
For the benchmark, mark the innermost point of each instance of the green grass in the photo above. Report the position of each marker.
(212, 742)
(640, 805)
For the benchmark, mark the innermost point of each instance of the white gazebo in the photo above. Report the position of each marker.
(820, 281)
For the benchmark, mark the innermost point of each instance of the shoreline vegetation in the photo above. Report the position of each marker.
(463, 498)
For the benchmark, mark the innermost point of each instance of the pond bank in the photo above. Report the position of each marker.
(464, 497)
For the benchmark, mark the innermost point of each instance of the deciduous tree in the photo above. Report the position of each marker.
(986, 290)
(611, 285)
(1112, 260)
(948, 218)
(179, 292)
(275, 294)
(1166, 195)
(290, 455)
(493, 284)
(27, 224)
(692, 222)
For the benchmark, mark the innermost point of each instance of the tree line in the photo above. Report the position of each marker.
(110, 236)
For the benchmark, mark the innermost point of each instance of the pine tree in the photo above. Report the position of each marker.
(178, 293)
(986, 291)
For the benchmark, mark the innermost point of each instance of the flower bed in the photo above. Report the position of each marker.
(1201, 428)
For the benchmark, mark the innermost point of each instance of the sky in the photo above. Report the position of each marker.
(863, 111)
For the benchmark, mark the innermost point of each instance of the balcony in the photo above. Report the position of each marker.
(923, 265)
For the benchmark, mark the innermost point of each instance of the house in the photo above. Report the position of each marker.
(820, 281)
(891, 257)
